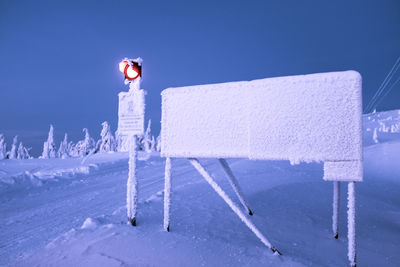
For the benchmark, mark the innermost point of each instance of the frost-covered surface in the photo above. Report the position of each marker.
(343, 170)
(81, 219)
(302, 118)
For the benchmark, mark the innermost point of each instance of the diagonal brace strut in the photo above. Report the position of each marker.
(235, 185)
(195, 162)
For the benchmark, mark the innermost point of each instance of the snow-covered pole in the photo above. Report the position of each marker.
(131, 185)
(335, 206)
(134, 87)
(131, 124)
(167, 193)
(351, 223)
(235, 185)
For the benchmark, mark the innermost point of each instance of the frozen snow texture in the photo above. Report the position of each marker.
(315, 117)
(351, 223)
(167, 193)
(131, 194)
(343, 170)
(205, 121)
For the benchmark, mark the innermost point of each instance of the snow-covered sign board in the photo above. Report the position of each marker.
(302, 118)
(131, 113)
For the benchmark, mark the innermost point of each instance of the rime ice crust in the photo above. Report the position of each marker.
(304, 118)
(205, 121)
(343, 171)
(316, 117)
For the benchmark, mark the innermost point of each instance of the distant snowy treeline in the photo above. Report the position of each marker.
(87, 146)
(381, 126)
(15, 152)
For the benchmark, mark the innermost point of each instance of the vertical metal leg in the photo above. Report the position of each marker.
(336, 204)
(232, 205)
(167, 193)
(131, 193)
(235, 185)
(351, 223)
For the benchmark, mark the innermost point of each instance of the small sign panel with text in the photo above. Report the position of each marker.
(131, 113)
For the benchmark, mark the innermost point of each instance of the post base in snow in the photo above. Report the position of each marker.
(132, 221)
(336, 236)
(167, 229)
(250, 213)
(274, 250)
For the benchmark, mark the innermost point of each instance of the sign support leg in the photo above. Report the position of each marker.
(131, 194)
(335, 206)
(235, 185)
(195, 162)
(351, 223)
(167, 193)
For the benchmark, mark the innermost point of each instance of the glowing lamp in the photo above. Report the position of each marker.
(131, 69)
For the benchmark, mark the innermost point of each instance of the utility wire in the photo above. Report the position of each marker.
(383, 85)
(377, 98)
(388, 91)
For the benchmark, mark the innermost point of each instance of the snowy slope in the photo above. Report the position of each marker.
(80, 218)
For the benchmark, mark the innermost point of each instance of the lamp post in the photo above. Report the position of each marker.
(131, 125)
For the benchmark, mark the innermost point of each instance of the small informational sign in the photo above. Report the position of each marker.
(131, 113)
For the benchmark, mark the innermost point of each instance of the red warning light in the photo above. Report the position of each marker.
(131, 69)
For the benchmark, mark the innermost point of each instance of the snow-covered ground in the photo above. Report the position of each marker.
(69, 212)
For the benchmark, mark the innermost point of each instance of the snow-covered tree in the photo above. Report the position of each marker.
(71, 150)
(146, 141)
(49, 147)
(375, 137)
(3, 148)
(158, 146)
(85, 146)
(107, 142)
(63, 149)
(12, 154)
(153, 143)
(118, 141)
(22, 152)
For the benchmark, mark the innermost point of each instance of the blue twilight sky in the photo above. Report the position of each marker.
(59, 59)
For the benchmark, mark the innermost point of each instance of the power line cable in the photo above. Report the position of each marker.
(383, 85)
(388, 91)
(378, 96)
